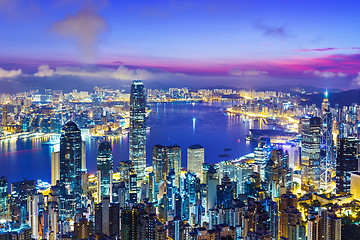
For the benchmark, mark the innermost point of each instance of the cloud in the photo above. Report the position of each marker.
(239, 72)
(86, 27)
(272, 31)
(10, 74)
(121, 73)
(44, 71)
(357, 79)
(326, 74)
(324, 49)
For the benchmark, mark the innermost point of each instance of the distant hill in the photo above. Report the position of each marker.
(344, 98)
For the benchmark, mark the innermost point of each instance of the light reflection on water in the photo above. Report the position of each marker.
(170, 123)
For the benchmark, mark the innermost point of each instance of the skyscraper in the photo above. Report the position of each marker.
(4, 116)
(55, 167)
(346, 162)
(165, 160)
(3, 198)
(70, 169)
(310, 153)
(105, 170)
(137, 133)
(195, 159)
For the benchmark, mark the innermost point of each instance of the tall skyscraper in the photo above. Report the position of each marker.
(165, 160)
(70, 170)
(105, 170)
(195, 159)
(346, 162)
(137, 132)
(327, 162)
(159, 162)
(3, 198)
(173, 157)
(55, 167)
(310, 153)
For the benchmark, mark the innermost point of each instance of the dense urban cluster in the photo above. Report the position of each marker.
(301, 182)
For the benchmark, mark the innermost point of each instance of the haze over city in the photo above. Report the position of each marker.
(239, 44)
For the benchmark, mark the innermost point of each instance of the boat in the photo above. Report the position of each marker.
(249, 138)
(227, 149)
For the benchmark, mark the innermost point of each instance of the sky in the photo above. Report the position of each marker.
(203, 43)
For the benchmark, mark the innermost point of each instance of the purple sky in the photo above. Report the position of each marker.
(200, 43)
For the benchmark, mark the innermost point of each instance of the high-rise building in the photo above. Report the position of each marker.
(83, 156)
(211, 183)
(195, 159)
(129, 223)
(310, 153)
(327, 162)
(173, 159)
(323, 225)
(70, 170)
(325, 105)
(3, 198)
(159, 162)
(225, 193)
(83, 229)
(165, 160)
(4, 116)
(137, 131)
(346, 162)
(107, 218)
(55, 167)
(105, 170)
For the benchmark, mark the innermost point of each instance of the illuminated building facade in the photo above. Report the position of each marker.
(55, 167)
(346, 162)
(166, 160)
(195, 159)
(137, 130)
(105, 170)
(3, 198)
(310, 153)
(70, 169)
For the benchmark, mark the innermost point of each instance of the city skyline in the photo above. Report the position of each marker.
(182, 43)
(179, 119)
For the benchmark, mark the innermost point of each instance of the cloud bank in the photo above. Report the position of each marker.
(239, 72)
(326, 74)
(121, 73)
(10, 73)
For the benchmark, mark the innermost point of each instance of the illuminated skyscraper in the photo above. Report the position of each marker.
(105, 170)
(165, 160)
(70, 169)
(3, 198)
(55, 167)
(137, 133)
(173, 158)
(346, 162)
(195, 159)
(327, 162)
(310, 153)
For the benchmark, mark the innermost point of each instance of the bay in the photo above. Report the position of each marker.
(183, 124)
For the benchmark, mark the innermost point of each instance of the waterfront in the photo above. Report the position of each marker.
(170, 123)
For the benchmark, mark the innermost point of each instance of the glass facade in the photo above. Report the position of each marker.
(137, 132)
(105, 168)
(70, 169)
